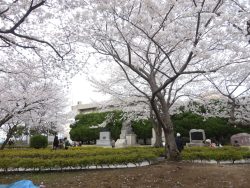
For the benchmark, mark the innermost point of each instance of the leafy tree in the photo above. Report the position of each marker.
(84, 134)
(87, 126)
(214, 127)
(143, 129)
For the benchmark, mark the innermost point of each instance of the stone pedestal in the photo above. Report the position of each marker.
(127, 137)
(131, 139)
(121, 143)
(104, 139)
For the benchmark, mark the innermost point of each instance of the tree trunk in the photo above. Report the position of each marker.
(165, 121)
(9, 135)
(5, 142)
(157, 128)
(158, 133)
(172, 152)
(231, 106)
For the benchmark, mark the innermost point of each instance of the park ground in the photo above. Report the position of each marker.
(162, 175)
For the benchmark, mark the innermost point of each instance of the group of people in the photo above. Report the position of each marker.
(60, 143)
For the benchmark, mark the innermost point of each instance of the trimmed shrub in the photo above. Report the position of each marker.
(38, 141)
(226, 153)
(74, 157)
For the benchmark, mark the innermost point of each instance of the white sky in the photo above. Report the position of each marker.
(82, 90)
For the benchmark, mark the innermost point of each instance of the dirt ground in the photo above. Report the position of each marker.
(161, 175)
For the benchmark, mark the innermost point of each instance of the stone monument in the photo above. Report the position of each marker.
(127, 137)
(197, 137)
(243, 139)
(104, 139)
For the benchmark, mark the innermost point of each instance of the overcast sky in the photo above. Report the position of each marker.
(82, 90)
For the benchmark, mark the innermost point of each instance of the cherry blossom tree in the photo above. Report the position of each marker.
(127, 99)
(35, 33)
(30, 100)
(157, 42)
(20, 20)
(234, 86)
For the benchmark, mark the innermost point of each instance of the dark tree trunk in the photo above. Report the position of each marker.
(158, 134)
(165, 121)
(157, 128)
(172, 152)
(231, 107)
(9, 135)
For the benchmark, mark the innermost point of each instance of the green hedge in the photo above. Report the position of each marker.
(75, 157)
(218, 154)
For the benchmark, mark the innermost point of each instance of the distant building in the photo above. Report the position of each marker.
(84, 108)
(109, 105)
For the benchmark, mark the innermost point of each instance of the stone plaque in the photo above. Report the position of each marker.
(196, 136)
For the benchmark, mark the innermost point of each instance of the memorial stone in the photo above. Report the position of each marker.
(197, 137)
(243, 139)
(104, 139)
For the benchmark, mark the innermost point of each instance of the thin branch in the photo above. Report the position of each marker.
(31, 8)
(39, 41)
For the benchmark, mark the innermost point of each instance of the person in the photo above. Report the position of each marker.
(208, 142)
(179, 142)
(113, 143)
(66, 143)
(11, 142)
(55, 142)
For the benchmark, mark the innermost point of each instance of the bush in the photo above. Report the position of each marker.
(38, 141)
(75, 157)
(226, 153)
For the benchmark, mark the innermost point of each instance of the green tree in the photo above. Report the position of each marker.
(143, 129)
(214, 127)
(81, 130)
